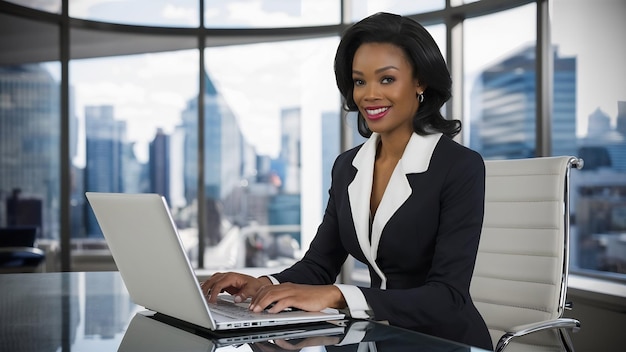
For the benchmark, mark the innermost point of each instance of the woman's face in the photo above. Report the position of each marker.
(384, 89)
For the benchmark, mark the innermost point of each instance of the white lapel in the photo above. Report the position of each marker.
(415, 159)
(359, 192)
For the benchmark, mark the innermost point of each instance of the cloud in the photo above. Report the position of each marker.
(83, 8)
(186, 14)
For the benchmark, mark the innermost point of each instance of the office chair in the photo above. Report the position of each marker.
(17, 250)
(520, 279)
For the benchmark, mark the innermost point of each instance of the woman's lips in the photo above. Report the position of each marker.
(375, 113)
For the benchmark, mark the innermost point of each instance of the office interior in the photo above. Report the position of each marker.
(230, 110)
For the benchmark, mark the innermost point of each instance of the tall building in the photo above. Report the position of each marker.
(159, 164)
(599, 194)
(104, 171)
(604, 146)
(177, 168)
(331, 146)
(29, 142)
(222, 146)
(223, 158)
(290, 149)
(284, 207)
(503, 110)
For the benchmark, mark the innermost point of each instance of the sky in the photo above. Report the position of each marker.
(593, 31)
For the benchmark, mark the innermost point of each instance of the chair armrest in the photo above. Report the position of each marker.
(561, 323)
(521, 330)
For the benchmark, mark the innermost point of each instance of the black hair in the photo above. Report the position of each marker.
(429, 68)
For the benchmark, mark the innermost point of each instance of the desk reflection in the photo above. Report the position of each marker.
(148, 332)
(64, 312)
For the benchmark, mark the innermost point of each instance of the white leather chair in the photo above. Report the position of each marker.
(520, 280)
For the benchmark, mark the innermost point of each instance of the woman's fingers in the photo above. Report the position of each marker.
(223, 282)
(240, 285)
(273, 298)
(288, 295)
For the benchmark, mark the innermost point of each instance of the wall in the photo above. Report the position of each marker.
(601, 309)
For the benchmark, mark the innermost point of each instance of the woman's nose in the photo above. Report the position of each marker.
(371, 92)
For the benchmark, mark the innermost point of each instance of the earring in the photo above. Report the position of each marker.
(420, 97)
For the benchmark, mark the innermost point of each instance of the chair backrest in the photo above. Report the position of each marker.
(18, 236)
(522, 264)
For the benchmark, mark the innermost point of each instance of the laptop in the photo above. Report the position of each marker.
(151, 259)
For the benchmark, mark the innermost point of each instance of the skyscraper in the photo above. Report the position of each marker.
(222, 146)
(104, 170)
(290, 149)
(29, 141)
(331, 146)
(284, 207)
(159, 165)
(503, 112)
(223, 158)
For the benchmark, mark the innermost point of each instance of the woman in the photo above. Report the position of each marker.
(408, 202)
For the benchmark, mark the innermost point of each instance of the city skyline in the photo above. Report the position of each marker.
(115, 167)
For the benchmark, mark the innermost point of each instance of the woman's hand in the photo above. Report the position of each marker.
(239, 285)
(312, 298)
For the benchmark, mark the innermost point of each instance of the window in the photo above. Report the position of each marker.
(259, 100)
(29, 147)
(590, 122)
(500, 83)
(128, 116)
(30, 131)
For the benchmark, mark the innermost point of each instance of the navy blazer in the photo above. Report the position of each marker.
(423, 241)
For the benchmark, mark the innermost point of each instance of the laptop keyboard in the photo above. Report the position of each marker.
(232, 310)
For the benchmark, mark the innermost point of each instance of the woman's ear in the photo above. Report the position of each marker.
(419, 92)
(419, 88)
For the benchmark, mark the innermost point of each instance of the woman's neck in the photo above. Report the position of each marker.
(392, 146)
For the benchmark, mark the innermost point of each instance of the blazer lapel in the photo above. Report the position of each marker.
(415, 159)
(359, 192)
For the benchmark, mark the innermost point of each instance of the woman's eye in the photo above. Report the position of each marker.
(387, 80)
(358, 82)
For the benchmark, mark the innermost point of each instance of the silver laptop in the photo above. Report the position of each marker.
(151, 259)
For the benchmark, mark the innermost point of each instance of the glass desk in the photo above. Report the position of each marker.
(93, 312)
